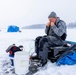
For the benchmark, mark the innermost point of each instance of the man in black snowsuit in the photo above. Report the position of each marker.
(56, 34)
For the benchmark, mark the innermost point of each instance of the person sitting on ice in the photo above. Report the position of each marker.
(56, 34)
(12, 49)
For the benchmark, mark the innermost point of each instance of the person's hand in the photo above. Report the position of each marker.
(48, 24)
(52, 23)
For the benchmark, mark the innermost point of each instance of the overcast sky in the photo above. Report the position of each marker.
(27, 12)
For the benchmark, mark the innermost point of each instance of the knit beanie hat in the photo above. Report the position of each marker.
(52, 15)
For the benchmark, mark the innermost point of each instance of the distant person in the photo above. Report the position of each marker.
(12, 49)
(56, 34)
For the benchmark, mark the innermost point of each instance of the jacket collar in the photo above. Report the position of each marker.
(58, 19)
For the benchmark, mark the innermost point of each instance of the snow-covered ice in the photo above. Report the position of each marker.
(26, 38)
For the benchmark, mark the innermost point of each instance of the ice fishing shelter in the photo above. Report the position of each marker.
(13, 28)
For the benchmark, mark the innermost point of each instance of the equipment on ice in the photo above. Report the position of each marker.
(62, 55)
(21, 62)
(65, 54)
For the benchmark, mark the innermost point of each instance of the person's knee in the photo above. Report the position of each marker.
(44, 39)
(37, 40)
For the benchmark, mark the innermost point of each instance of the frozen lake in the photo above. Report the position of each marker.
(26, 38)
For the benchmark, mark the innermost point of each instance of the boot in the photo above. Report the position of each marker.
(43, 63)
(34, 57)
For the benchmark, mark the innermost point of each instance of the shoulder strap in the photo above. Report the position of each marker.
(63, 37)
(59, 22)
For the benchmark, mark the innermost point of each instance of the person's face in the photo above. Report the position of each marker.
(52, 19)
